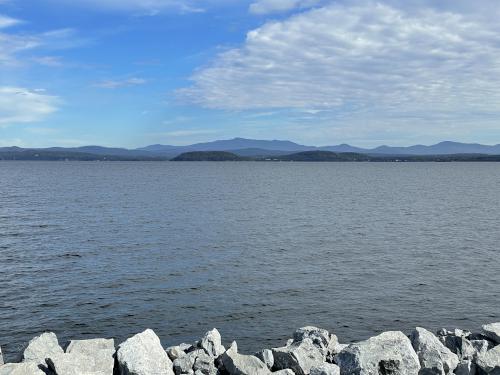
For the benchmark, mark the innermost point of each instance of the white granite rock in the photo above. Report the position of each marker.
(492, 331)
(42, 347)
(25, 368)
(388, 353)
(434, 357)
(143, 354)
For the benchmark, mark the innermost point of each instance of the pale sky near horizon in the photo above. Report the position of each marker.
(319, 72)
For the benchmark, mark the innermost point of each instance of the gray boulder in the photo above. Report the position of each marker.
(175, 352)
(434, 357)
(81, 364)
(26, 368)
(185, 363)
(326, 369)
(239, 364)
(42, 347)
(466, 367)
(143, 354)
(266, 356)
(492, 331)
(85, 356)
(489, 362)
(1, 357)
(461, 346)
(91, 346)
(388, 353)
(299, 357)
(211, 343)
(480, 346)
(204, 364)
(284, 372)
(327, 343)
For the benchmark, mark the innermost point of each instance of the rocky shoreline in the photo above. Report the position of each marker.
(311, 351)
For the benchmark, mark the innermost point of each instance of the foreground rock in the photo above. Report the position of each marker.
(326, 342)
(435, 358)
(26, 368)
(326, 369)
(42, 347)
(238, 364)
(1, 356)
(95, 356)
(311, 351)
(387, 353)
(492, 331)
(143, 354)
(211, 343)
(489, 362)
(298, 356)
(267, 357)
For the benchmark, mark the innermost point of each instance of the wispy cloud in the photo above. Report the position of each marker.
(15, 43)
(115, 84)
(21, 105)
(142, 7)
(275, 6)
(7, 21)
(188, 133)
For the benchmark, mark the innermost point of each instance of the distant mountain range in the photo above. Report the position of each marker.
(259, 148)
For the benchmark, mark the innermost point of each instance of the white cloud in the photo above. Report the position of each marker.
(361, 59)
(7, 22)
(13, 44)
(274, 6)
(188, 133)
(21, 105)
(147, 7)
(114, 84)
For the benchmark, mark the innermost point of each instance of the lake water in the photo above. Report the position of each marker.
(254, 249)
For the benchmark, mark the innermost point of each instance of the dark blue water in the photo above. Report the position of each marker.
(255, 249)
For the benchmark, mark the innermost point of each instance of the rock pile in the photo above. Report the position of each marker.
(311, 351)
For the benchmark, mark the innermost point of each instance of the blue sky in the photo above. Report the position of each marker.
(137, 72)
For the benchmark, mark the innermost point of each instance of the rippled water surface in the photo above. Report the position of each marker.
(255, 249)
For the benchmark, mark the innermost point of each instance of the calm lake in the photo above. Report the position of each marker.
(254, 249)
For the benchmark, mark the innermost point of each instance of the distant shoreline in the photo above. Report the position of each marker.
(305, 156)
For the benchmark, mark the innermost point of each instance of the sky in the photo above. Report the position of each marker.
(130, 73)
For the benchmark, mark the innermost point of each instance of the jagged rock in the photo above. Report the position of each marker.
(91, 346)
(204, 364)
(81, 364)
(26, 368)
(459, 345)
(184, 364)
(42, 347)
(434, 357)
(489, 362)
(143, 354)
(1, 357)
(466, 367)
(388, 353)
(325, 341)
(239, 364)
(211, 343)
(175, 352)
(326, 369)
(480, 346)
(319, 337)
(94, 355)
(284, 372)
(492, 331)
(299, 357)
(266, 356)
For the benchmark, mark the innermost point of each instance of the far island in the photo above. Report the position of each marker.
(209, 156)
